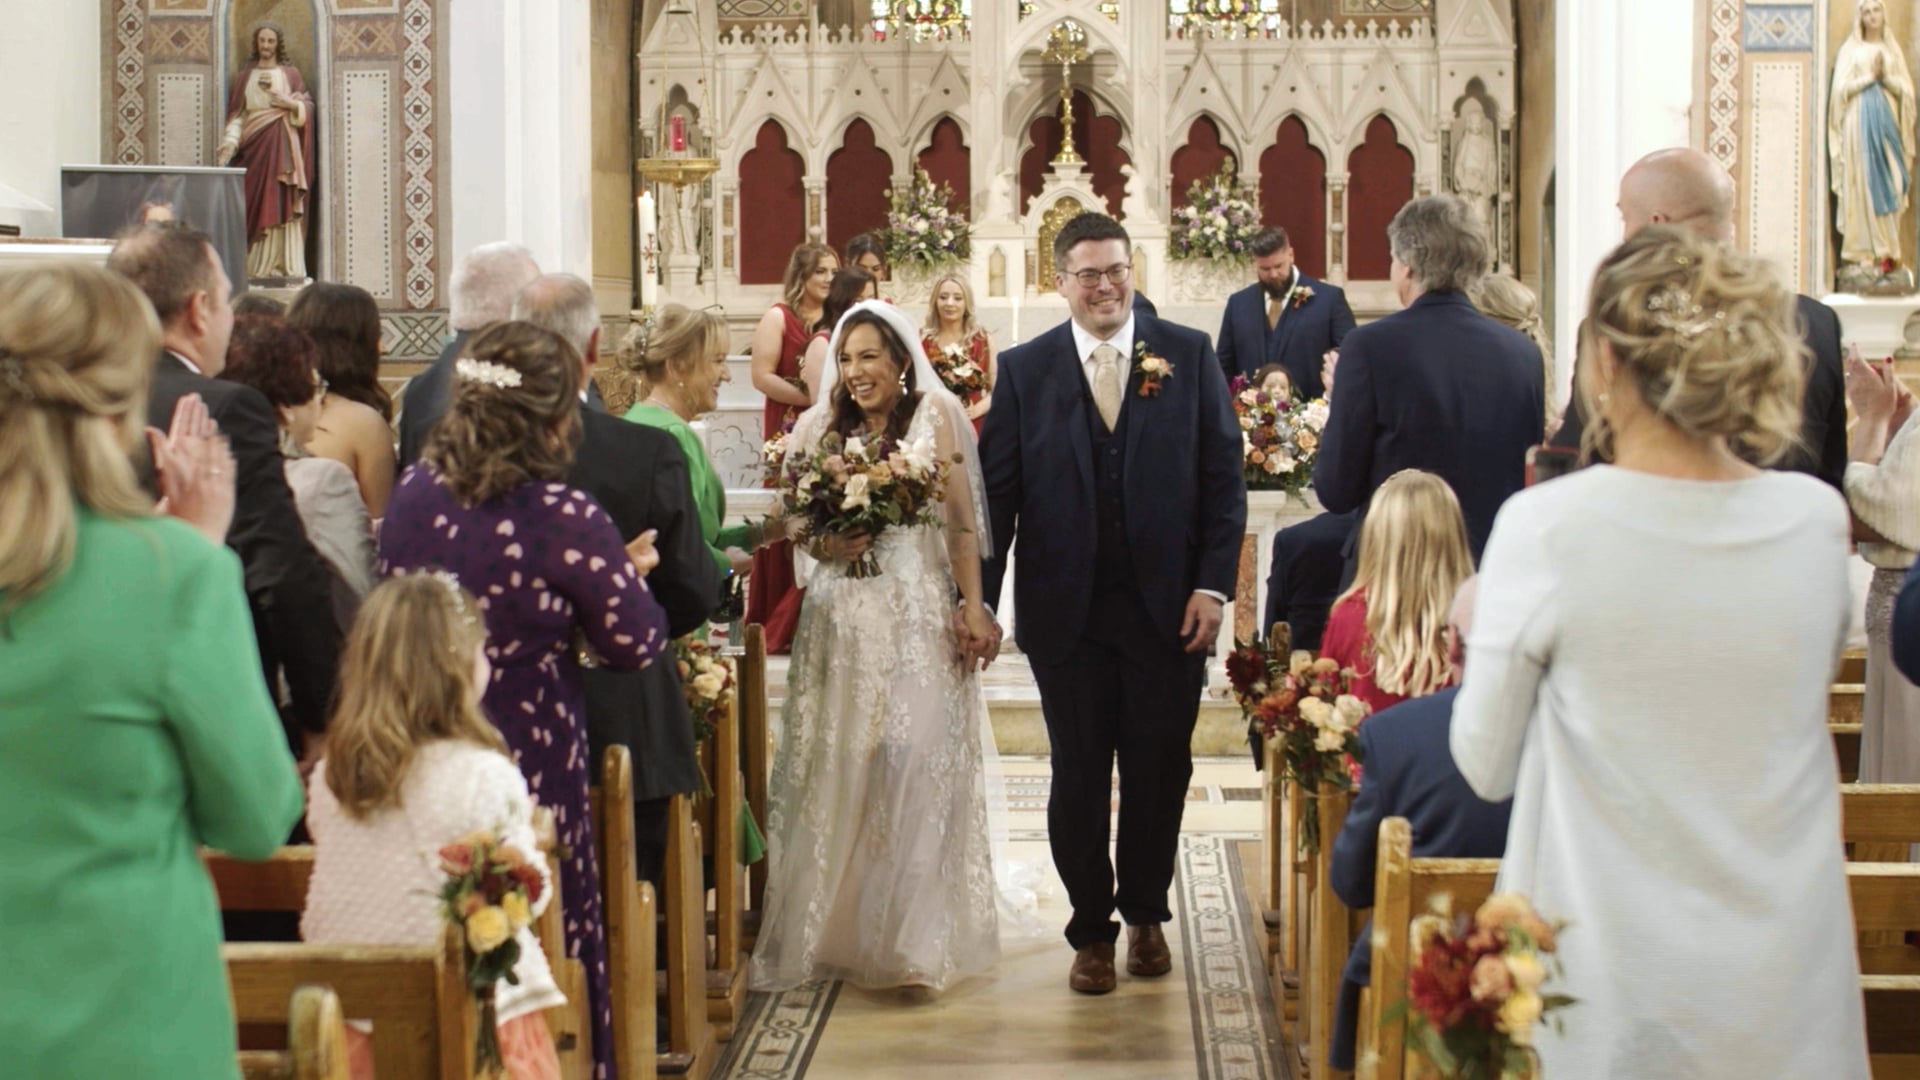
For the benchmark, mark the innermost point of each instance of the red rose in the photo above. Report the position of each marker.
(456, 858)
(529, 879)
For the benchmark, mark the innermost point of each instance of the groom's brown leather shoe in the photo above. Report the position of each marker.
(1093, 969)
(1147, 952)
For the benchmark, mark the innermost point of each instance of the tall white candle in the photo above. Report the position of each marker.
(649, 251)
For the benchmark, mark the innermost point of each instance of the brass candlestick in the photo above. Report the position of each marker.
(1066, 46)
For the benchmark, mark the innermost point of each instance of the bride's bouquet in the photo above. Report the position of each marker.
(863, 485)
(1279, 439)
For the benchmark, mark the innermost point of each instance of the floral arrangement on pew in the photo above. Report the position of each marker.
(1218, 221)
(922, 225)
(863, 484)
(1474, 988)
(706, 677)
(1279, 438)
(489, 894)
(966, 379)
(1306, 703)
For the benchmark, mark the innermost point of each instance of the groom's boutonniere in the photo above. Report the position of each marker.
(1301, 294)
(1153, 368)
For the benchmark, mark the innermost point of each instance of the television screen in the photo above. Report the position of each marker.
(97, 201)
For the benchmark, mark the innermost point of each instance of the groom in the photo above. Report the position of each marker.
(1112, 452)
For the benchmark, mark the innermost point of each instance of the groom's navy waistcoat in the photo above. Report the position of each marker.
(1112, 559)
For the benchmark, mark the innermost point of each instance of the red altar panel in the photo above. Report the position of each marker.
(1293, 194)
(1096, 137)
(859, 174)
(1200, 158)
(1380, 181)
(948, 161)
(773, 206)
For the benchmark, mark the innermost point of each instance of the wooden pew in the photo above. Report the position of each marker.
(632, 922)
(570, 1025)
(1329, 934)
(1846, 748)
(1844, 702)
(423, 1017)
(726, 986)
(1853, 667)
(756, 762)
(316, 1042)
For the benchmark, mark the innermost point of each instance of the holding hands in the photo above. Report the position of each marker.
(194, 469)
(977, 636)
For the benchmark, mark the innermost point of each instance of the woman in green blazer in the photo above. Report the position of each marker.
(135, 725)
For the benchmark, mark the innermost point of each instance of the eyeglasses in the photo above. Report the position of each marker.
(1090, 279)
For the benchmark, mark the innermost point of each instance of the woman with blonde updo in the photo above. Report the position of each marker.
(487, 503)
(1502, 298)
(134, 727)
(681, 362)
(1646, 677)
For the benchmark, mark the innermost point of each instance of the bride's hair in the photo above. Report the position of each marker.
(847, 417)
(1413, 557)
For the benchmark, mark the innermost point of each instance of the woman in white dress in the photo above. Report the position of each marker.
(1647, 678)
(881, 869)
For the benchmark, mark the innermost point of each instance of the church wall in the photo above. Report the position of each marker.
(613, 190)
(1533, 137)
(50, 64)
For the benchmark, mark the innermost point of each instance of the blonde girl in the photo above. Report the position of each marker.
(950, 325)
(1390, 625)
(412, 764)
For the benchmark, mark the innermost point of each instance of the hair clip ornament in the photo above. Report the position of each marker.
(1676, 312)
(456, 593)
(487, 372)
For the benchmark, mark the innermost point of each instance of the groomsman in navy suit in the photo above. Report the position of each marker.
(1112, 454)
(1284, 318)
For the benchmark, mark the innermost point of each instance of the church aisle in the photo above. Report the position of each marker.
(1211, 1018)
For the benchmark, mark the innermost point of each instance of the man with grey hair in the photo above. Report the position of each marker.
(482, 293)
(1437, 386)
(1685, 188)
(639, 475)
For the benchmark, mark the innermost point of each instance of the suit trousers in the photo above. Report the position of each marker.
(1121, 693)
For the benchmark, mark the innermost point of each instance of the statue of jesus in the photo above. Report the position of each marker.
(269, 133)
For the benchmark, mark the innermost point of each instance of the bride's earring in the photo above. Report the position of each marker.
(903, 380)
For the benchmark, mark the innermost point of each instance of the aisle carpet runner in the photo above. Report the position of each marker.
(1235, 1035)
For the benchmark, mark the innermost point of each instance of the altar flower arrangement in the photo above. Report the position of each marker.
(923, 226)
(863, 484)
(489, 893)
(1474, 988)
(1306, 703)
(959, 373)
(1279, 438)
(1218, 221)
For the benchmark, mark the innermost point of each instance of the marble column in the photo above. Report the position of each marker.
(1623, 87)
(520, 95)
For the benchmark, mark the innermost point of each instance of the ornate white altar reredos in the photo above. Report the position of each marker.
(787, 105)
(377, 73)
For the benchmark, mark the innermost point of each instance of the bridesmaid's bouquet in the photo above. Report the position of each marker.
(1279, 438)
(863, 484)
(489, 893)
(1307, 704)
(966, 379)
(1473, 988)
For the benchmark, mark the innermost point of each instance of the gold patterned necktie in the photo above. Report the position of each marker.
(1273, 311)
(1106, 384)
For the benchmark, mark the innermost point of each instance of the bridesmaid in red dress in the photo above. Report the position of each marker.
(779, 345)
(950, 323)
(1390, 626)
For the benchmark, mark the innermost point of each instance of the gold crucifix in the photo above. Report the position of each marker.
(1066, 46)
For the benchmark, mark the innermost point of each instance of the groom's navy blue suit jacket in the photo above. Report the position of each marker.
(1186, 505)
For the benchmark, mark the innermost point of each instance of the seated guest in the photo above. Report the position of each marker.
(1437, 386)
(849, 288)
(1409, 775)
(1274, 381)
(355, 425)
(1285, 317)
(1305, 579)
(487, 503)
(288, 585)
(1390, 625)
(1503, 298)
(282, 363)
(639, 475)
(1647, 678)
(413, 765)
(133, 730)
(480, 294)
(1883, 490)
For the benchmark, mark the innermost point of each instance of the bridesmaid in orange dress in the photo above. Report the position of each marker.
(950, 324)
(778, 349)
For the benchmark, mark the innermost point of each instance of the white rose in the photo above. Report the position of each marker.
(1329, 741)
(708, 685)
(1350, 709)
(856, 447)
(1315, 414)
(919, 453)
(856, 497)
(1316, 712)
(1285, 462)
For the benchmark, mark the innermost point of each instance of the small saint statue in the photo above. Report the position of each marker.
(269, 133)
(1476, 170)
(1870, 146)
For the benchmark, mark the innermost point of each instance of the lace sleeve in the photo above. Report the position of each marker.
(964, 507)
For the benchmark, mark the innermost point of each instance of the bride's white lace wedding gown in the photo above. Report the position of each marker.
(881, 869)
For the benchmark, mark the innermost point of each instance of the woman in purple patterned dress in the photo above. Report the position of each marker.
(486, 504)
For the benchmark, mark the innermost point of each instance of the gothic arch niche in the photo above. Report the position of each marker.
(859, 175)
(1293, 193)
(1380, 181)
(1199, 157)
(1098, 136)
(948, 160)
(773, 205)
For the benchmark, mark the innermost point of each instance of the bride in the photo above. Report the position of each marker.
(882, 872)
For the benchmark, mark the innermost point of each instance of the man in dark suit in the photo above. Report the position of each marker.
(1112, 453)
(1410, 774)
(1305, 576)
(289, 587)
(639, 475)
(482, 293)
(1285, 318)
(1688, 189)
(1437, 386)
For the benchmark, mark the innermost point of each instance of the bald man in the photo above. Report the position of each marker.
(1687, 189)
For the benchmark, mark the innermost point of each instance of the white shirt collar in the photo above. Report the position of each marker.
(1084, 343)
(187, 360)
